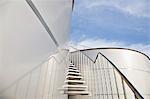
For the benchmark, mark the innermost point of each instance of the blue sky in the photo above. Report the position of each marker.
(117, 23)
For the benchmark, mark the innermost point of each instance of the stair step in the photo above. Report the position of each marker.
(72, 65)
(76, 92)
(74, 86)
(75, 81)
(74, 77)
(74, 89)
(72, 73)
(73, 68)
(70, 70)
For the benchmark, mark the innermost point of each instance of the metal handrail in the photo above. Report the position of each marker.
(89, 48)
(134, 90)
(43, 22)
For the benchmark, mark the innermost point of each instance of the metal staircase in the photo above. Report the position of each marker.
(84, 79)
(74, 83)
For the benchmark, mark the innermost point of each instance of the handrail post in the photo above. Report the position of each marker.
(124, 90)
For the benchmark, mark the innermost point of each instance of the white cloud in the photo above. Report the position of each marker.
(134, 7)
(137, 8)
(97, 43)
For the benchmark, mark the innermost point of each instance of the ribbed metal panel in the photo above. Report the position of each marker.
(42, 82)
(103, 80)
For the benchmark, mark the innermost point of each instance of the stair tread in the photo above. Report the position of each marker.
(71, 65)
(74, 77)
(75, 81)
(74, 89)
(77, 92)
(72, 73)
(72, 70)
(75, 86)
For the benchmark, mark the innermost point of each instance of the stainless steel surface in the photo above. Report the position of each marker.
(24, 42)
(42, 82)
(133, 64)
(33, 7)
(118, 86)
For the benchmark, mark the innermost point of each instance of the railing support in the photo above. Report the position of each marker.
(124, 80)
